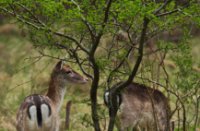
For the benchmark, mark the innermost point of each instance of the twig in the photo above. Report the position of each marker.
(45, 29)
(88, 25)
(19, 85)
(162, 6)
(117, 67)
(167, 13)
(31, 13)
(115, 90)
(74, 53)
(67, 117)
(96, 73)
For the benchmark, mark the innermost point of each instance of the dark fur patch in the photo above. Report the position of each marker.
(107, 103)
(37, 100)
(144, 93)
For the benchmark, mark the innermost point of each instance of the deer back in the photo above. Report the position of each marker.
(144, 106)
(37, 112)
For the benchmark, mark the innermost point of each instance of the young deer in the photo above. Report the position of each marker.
(142, 107)
(41, 112)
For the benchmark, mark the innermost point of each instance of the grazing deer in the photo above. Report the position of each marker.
(142, 107)
(41, 112)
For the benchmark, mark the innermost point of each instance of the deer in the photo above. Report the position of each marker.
(41, 112)
(141, 108)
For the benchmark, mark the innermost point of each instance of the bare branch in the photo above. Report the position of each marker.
(107, 10)
(168, 13)
(96, 73)
(74, 53)
(117, 67)
(70, 38)
(32, 14)
(45, 29)
(88, 25)
(117, 89)
(171, 12)
(162, 6)
(139, 59)
(54, 57)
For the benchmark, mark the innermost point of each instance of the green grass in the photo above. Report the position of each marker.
(22, 74)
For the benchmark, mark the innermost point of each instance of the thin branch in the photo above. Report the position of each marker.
(139, 59)
(106, 16)
(88, 25)
(21, 84)
(117, 89)
(45, 29)
(31, 13)
(168, 13)
(98, 37)
(171, 12)
(96, 73)
(72, 39)
(118, 66)
(107, 10)
(54, 57)
(74, 53)
(162, 6)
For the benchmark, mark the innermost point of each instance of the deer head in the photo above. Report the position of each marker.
(65, 74)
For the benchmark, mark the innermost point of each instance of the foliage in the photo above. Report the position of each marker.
(78, 30)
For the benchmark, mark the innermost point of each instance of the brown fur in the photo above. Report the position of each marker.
(22, 119)
(137, 108)
(60, 77)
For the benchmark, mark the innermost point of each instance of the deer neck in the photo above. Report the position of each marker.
(56, 92)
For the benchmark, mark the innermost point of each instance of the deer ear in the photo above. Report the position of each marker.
(59, 65)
